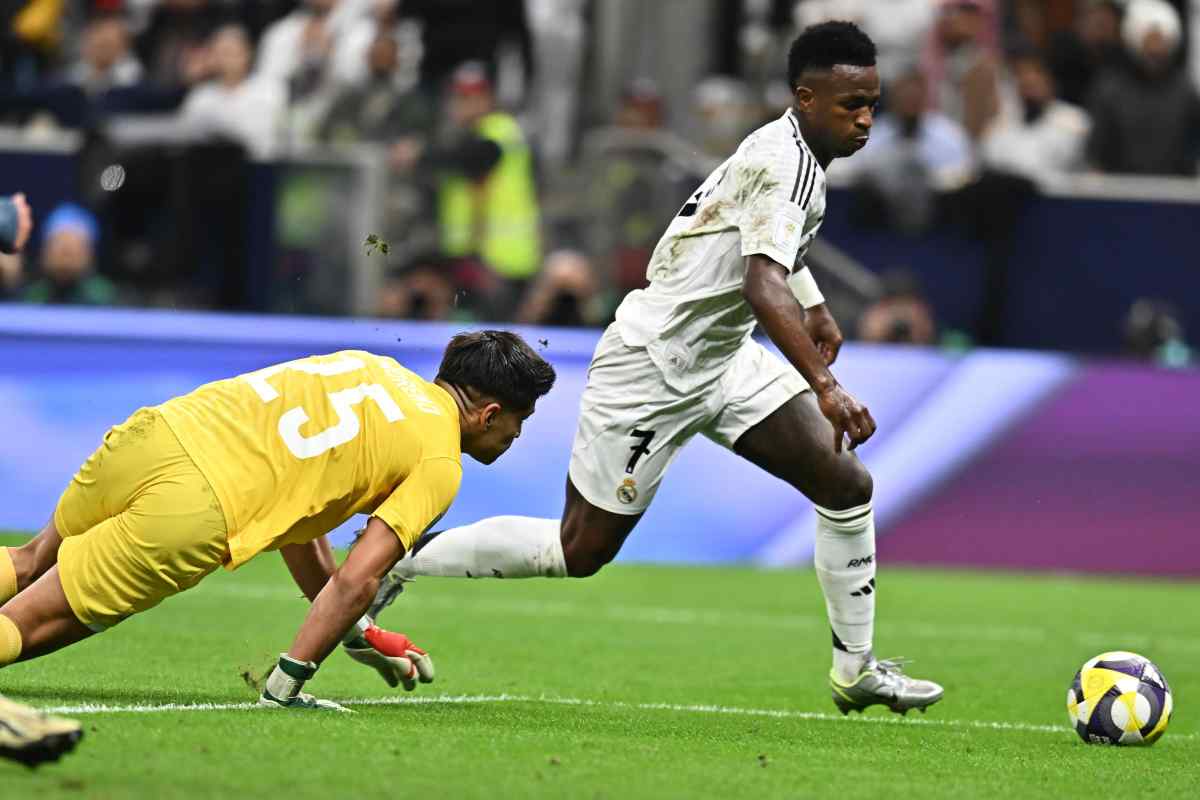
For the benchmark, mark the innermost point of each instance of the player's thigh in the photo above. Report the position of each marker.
(135, 560)
(112, 476)
(771, 419)
(171, 534)
(44, 617)
(631, 426)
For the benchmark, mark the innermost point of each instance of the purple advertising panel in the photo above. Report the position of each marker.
(1103, 476)
(1001, 459)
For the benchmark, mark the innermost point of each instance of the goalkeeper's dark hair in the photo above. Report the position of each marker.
(499, 364)
(826, 45)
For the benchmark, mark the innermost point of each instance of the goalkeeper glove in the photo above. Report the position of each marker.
(393, 656)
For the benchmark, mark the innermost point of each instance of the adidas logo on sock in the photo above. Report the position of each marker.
(866, 590)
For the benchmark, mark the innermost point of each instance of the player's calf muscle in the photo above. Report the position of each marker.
(584, 561)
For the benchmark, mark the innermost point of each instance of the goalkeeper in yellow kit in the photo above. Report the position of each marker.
(272, 460)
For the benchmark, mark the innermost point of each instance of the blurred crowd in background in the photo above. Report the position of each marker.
(505, 191)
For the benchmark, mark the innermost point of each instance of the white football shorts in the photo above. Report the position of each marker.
(632, 423)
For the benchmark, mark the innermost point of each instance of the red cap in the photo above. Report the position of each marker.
(470, 78)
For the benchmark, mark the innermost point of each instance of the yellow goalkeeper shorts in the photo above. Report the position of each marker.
(139, 523)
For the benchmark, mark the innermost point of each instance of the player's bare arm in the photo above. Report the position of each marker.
(311, 564)
(348, 593)
(393, 655)
(824, 331)
(783, 318)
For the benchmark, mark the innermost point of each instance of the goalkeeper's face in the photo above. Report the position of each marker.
(498, 427)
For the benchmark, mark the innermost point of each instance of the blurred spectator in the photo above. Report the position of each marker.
(566, 293)
(383, 108)
(349, 59)
(11, 276)
(175, 45)
(419, 291)
(962, 67)
(1147, 119)
(560, 32)
(1193, 15)
(234, 105)
(901, 315)
(36, 34)
(913, 153)
(1045, 136)
(67, 256)
(898, 27)
(1080, 55)
(105, 59)
(1154, 333)
(432, 287)
(641, 107)
(296, 49)
(633, 173)
(495, 34)
(725, 113)
(487, 198)
(16, 219)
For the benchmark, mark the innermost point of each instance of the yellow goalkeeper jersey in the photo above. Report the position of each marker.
(295, 449)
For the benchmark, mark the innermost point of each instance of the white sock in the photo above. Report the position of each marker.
(845, 562)
(496, 547)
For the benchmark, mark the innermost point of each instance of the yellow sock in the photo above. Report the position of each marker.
(10, 641)
(8, 576)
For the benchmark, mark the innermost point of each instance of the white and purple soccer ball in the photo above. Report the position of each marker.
(1119, 698)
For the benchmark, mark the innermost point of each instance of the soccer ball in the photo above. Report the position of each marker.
(1119, 698)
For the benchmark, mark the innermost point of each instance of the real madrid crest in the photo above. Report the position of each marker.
(627, 491)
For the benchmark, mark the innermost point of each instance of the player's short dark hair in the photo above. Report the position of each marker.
(499, 364)
(826, 45)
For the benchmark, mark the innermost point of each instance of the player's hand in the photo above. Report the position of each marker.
(849, 417)
(824, 331)
(394, 657)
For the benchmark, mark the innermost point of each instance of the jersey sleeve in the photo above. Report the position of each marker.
(775, 181)
(423, 497)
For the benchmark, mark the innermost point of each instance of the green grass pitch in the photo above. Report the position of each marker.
(640, 682)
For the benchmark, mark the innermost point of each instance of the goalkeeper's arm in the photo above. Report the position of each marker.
(337, 612)
(311, 565)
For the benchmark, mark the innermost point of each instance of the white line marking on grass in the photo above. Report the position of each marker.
(483, 699)
(145, 708)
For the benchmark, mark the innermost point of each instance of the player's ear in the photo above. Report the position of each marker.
(804, 96)
(488, 415)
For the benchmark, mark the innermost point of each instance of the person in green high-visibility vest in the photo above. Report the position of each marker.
(486, 195)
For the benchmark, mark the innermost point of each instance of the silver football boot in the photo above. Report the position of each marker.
(391, 586)
(884, 683)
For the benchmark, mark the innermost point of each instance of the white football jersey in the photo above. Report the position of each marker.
(767, 198)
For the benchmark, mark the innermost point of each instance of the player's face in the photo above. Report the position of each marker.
(500, 429)
(841, 105)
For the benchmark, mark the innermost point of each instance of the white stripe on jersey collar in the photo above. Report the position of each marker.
(790, 116)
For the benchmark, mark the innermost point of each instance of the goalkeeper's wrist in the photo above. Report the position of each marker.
(288, 677)
(354, 636)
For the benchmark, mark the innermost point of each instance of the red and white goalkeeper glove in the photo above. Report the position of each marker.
(393, 656)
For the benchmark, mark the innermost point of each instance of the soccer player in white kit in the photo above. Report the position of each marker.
(679, 360)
